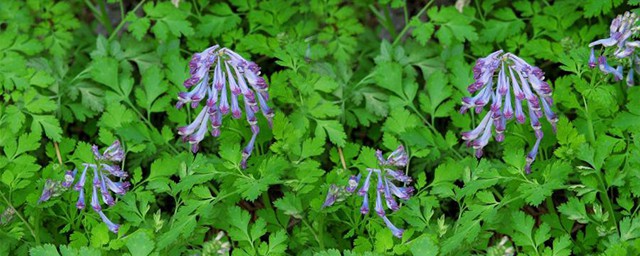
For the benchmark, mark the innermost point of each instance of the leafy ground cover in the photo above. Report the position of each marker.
(198, 127)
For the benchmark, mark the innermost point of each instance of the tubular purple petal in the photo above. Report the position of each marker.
(531, 156)
(246, 152)
(352, 185)
(83, 178)
(80, 204)
(380, 185)
(364, 209)
(189, 129)
(398, 175)
(379, 208)
(516, 87)
(394, 230)
(47, 191)
(117, 187)
(112, 226)
(224, 102)
(95, 202)
(69, 177)
(332, 195)
(114, 170)
(365, 187)
(235, 109)
(473, 134)
(391, 202)
(592, 59)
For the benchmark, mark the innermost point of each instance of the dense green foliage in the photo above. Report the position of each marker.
(345, 79)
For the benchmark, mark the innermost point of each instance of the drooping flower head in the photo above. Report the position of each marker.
(7, 215)
(621, 47)
(218, 246)
(105, 170)
(227, 82)
(386, 191)
(516, 83)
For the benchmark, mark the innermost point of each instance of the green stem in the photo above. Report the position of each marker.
(266, 201)
(315, 234)
(126, 100)
(122, 22)
(406, 14)
(105, 17)
(592, 136)
(604, 195)
(406, 27)
(479, 10)
(33, 232)
(390, 25)
(434, 130)
(121, 10)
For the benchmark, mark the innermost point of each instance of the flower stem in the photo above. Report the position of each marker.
(406, 27)
(33, 233)
(122, 21)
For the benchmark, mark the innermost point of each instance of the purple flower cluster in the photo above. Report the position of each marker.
(515, 77)
(102, 185)
(621, 31)
(221, 76)
(385, 187)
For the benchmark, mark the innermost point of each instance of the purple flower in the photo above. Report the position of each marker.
(517, 82)
(397, 158)
(353, 183)
(7, 215)
(69, 177)
(102, 185)
(222, 76)
(385, 189)
(621, 33)
(49, 190)
(332, 195)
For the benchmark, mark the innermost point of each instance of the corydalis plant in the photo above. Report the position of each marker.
(517, 83)
(222, 76)
(386, 190)
(621, 33)
(106, 165)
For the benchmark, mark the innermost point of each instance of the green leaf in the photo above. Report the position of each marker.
(290, 204)
(239, 221)
(312, 147)
(629, 229)
(388, 75)
(333, 129)
(278, 242)
(453, 25)
(574, 210)
(438, 92)
(44, 250)
(525, 236)
(140, 243)
(104, 70)
(169, 19)
(561, 247)
(424, 246)
(422, 31)
(505, 25)
(49, 124)
(594, 8)
(154, 86)
(223, 20)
